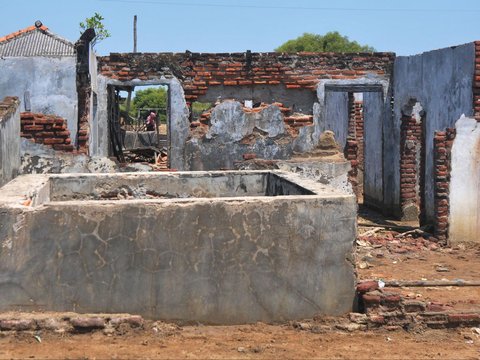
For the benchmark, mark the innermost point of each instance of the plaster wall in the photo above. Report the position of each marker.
(336, 116)
(10, 143)
(222, 261)
(442, 81)
(373, 115)
(51, 83)
(464, 217)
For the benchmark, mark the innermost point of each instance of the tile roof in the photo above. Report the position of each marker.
(35, 41)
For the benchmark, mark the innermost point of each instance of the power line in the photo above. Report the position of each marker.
(186, 4)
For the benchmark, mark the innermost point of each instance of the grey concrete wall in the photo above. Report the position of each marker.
(336, 116)
(464, 216)
(10, 143)
(442, 81)
(50, 81)
(220, 261)
(150, 185)
(373, 119)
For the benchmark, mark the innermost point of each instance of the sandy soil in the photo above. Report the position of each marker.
(246, 342)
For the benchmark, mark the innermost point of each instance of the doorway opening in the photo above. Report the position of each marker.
(139, 124)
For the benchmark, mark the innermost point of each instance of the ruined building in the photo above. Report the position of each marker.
(405, 142)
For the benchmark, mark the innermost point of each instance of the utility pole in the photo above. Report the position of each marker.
(135, 33)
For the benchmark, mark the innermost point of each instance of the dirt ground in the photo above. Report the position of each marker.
(381, 255)
(258, 341)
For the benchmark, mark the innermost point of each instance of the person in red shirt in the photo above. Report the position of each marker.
(150, 123)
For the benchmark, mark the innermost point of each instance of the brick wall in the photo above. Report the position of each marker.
(83, 126)
(389, 308)
(355, 145)
(201, 71)
(443, 142)
(476, 82)
(411, 167)
(49, 130)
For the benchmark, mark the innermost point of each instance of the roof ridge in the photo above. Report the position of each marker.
(36, 40)
(22, 32)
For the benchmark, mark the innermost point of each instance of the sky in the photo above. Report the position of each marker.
(405, 27)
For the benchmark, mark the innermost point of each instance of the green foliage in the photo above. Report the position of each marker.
(330, 42)
(150, 98)
(95, 22)
(199, 107)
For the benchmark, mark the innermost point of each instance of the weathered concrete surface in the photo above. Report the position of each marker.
(50, 82)
(230, 123)
(332, 173)
(9, 140)
(442, 81)
(223, 261)
(150, 185)
(234, 132)
(464, 217)
(40, 159)
(331, 170)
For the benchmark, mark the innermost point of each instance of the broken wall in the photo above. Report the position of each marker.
(50, 83)
(9, 139)
(441, 81)
(273, 80)
(49, 130)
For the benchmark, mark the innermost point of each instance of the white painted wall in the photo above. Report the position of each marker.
(464, 217)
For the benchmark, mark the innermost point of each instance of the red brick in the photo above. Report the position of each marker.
(249, 156)
(464, 318)
(51, 141)
(366, 286)
(371, 299)
(33, 127)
